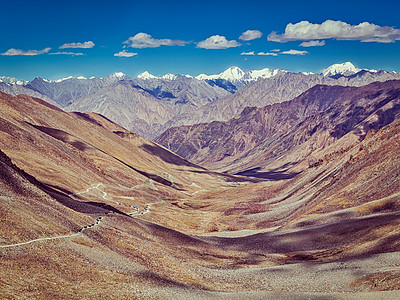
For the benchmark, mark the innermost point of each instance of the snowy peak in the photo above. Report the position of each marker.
(12, 81)
(257, 74)
(117, 75)
(66, 78)
(169, 76)
(236, 74)
(146, 75)
(345, 69)
(114, 77)
(232, 74)
(204, 77)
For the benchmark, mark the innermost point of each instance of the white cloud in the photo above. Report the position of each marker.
(84, 45)
(275, 50)
(312, 43)
(14, 52)
(267, 54)
(217, 42)
(365, 32)
(247, 53)
(67, 53)
(294, 52)
(250, 35)
(123, 53)
(144, 40)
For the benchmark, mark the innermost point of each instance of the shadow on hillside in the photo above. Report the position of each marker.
(322, 242)
(226, 177)
(161, 281)
(62, 136)
(62, 196)
(87, 117)
(274, 174)
(167, 156)
(153, 150)
(151, 176)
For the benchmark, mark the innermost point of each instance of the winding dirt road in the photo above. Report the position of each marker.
(108, 197)
(80, 231)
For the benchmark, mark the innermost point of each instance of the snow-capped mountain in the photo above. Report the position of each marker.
(231, 74)
(146, 76)
(235, 74)
(257, 74)
(113, 76)
(344, 69)
(12, 80)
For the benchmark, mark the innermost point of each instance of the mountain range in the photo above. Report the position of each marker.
(281, 138)
(92, 210)
(152, 104)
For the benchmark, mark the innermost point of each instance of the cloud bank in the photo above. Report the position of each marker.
(217, 42)
(250, 35)
(14, 52)
(338, 30)
(144, 40)
(85, 45)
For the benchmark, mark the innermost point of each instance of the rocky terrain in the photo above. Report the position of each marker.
(91, 210)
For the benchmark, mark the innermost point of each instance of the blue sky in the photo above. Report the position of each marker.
(95, 38)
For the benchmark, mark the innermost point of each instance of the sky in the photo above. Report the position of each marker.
(57, 39)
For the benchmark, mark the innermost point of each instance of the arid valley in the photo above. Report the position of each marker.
(91, 209)
(200, 150)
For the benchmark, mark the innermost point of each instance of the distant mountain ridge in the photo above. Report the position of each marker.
(231, 74)
(148, 104)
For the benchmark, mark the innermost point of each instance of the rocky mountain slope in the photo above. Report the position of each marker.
(91, 210)
(282, 136)
(191, 101)
(67, 90)
(283, 86)
(17, 89)
(145, 105)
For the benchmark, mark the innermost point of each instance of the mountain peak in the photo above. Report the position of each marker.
(233, 73)
(12, 81)
(237, 74)
(146, 75)
(256, 74)
(169, 76)
(345, 69)
(119, 74)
